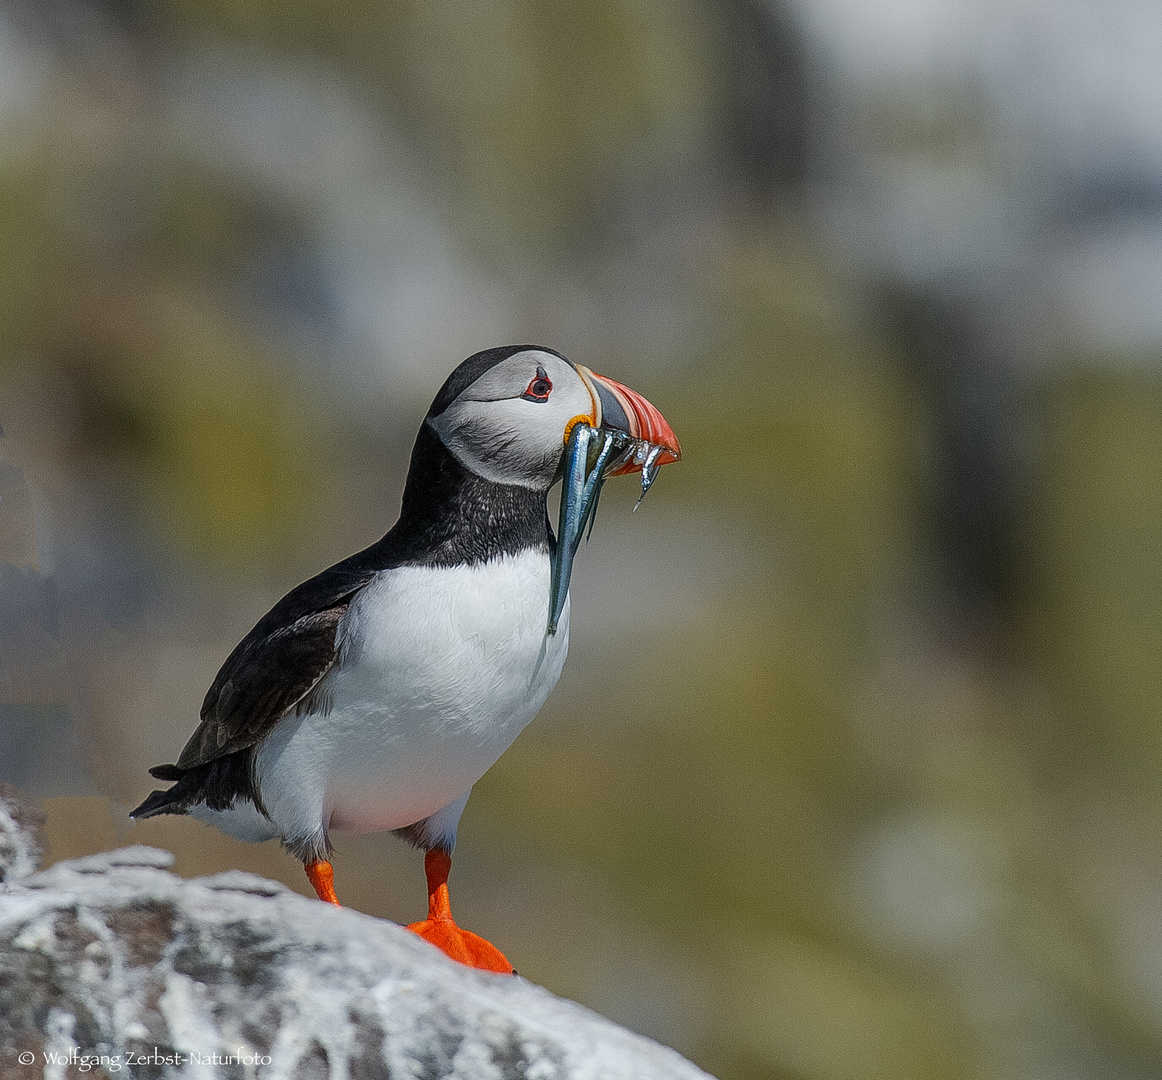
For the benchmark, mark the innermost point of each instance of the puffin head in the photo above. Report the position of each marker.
(508, 413)
(524, 415)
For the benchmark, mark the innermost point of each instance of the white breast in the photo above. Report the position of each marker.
(441, 668)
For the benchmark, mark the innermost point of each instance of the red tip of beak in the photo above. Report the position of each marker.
(645, 422)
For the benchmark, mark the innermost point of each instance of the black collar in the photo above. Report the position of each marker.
(450, 515)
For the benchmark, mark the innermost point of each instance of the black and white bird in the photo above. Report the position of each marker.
(374, 695)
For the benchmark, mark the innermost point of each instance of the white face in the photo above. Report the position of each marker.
(509, 425)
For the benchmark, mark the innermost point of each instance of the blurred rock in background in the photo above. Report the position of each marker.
(853, 769)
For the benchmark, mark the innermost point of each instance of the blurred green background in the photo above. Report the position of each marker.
(853, 772)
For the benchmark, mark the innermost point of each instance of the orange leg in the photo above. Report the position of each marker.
(440, 928)
(322, 876)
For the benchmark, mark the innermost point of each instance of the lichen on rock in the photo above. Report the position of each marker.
(113, 957)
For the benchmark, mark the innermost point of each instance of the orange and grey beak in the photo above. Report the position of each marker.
(618, 408)
(624, 433)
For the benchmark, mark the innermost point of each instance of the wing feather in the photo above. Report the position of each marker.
(274, 667)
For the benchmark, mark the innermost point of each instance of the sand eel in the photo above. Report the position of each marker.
(374, 695)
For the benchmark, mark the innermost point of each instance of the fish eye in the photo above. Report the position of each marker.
(540, 387)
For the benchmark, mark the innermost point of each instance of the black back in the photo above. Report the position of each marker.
(449, 516)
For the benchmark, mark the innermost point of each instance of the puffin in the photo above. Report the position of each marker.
(374, 695)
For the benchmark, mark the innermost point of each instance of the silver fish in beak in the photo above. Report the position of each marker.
(625, 434)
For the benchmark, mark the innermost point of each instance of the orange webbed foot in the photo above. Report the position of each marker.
(462, 945)
(440, 929)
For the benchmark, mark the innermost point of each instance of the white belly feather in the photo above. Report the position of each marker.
(441, 668)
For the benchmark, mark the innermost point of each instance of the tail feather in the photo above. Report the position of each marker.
(167, 772)
(217, 784)
(161, 802)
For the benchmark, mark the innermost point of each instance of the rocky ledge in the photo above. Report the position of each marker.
(111, 964)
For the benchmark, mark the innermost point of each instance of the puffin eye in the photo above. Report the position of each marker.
(540, 388)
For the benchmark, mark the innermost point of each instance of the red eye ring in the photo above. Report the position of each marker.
(539, 388)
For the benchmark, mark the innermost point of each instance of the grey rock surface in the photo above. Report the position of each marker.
(20, 827)
(235, 976)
